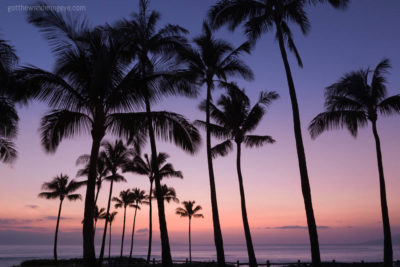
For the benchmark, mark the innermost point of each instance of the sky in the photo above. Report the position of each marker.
(343, 170)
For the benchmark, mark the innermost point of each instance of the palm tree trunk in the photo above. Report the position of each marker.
(123, 232)
(305, 183)
(249, 242)
(133, 230)
(97, 195)
(88, 233)
(388, 250)
(109, 245)
(165, 248)
(150, 222)
(219, 244)
(190, 242)
(56, 235)
(103, 242)
(94, 229)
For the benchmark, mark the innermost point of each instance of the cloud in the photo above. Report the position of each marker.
(295, 227)
(142, 230)
(32, 206)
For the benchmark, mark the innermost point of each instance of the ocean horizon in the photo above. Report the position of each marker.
(11, 255)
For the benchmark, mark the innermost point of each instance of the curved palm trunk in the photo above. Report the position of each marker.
(109, 245)
(219, 245)
(150, 222)
(249, 242)
(123, 233)
(388, 250)
(103, 242)
(165, 248)
(133, 231)
(56, 235)
(305, 183)
(190, 242)
(88, 231)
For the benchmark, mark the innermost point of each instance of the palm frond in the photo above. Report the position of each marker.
(257, 140)
(390, 105)
(59, 124)
(74, 197)
(222, 149)
(8, 152)
(350, 119)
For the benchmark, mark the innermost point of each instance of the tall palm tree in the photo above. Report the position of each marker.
(116, 156)
(262, 16)
(102, 171)
(8, 114)
(125, 199)
(97, 214)
(149, 168)
(214, 59)
(110, 218)
(234, 122)
(93, 91)
(139, 197)
(60, 187)
(352, 102)
(157, 77)
(189, 210)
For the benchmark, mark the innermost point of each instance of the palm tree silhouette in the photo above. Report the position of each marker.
(261, 17)
(149, 168)
(97, 214)
(102, 171)
(8, 114)
(93, 91)
(116, 156)
(124, 201)
(157, 77)
(60, 188)
(139, 197)
(351, 103)
(110, 218)
(234, 123)
(214, 59)
(189, 210)
(168, 194)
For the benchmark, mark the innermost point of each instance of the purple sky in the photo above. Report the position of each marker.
(343, 171)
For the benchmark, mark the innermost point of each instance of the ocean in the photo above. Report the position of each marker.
(11, 255)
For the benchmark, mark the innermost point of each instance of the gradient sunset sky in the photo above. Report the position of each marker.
(343, 170)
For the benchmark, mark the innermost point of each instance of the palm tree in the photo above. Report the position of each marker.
(214, 59)
(102, 171)
(125, 200)
(234, 123)
(97, 214)
(139, 197)
(157, 77)
(261, 16)
(93, 91)
(110, 218)
(352, 102)
(150, 168)
(8, 114)
(116, 156)
(60, 187)
(189, 210)
(168, 194)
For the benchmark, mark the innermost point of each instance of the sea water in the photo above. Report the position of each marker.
(11, 255)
